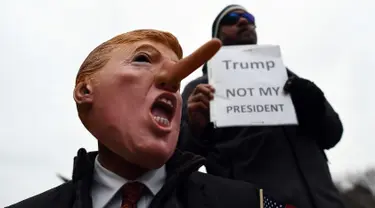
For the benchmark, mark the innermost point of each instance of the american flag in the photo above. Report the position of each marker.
(270, 203)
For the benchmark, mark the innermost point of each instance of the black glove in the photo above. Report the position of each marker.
(308, 100)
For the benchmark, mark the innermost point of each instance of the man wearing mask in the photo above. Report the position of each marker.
(127, 96)
(288, 161)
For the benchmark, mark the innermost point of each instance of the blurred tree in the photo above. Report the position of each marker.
(362, 192)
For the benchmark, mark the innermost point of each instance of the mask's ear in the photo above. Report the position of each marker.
(83, 93)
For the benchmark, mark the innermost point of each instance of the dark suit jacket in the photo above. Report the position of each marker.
(185, 187)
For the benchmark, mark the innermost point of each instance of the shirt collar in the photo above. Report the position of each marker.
(111, 183)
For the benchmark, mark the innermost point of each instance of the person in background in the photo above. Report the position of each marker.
(288, 161)
(127, 96)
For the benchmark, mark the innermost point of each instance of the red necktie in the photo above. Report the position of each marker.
(131, 193)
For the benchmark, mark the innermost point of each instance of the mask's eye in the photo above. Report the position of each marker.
(143, 58)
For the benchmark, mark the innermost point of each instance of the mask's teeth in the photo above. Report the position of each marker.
(170, 103)
(164, 100)
(161, 120)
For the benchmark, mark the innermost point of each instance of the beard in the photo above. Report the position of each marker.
(246, 36)
(242, 37)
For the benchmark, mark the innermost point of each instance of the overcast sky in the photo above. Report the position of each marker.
(43, 43)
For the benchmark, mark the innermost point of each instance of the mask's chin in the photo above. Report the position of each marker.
(151, 156)
(147, 146)
(154, 152)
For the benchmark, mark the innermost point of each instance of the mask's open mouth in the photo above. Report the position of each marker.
(163, 109)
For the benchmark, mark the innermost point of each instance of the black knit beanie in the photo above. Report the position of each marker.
(219, 17)
(216, 24)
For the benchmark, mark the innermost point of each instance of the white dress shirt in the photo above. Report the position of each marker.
(106, 185)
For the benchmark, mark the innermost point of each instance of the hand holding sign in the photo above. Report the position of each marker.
(198, 107)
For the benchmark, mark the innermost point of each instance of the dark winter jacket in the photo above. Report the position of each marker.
(282, 159)
(185, 187)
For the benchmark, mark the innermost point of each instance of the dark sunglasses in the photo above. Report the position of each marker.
(232, 18)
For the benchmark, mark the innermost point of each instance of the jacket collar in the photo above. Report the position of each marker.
(180, 162)
(179, 166)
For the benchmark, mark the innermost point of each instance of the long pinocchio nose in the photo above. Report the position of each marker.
(170, 76)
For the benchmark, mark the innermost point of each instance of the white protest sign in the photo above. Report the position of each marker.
(249, 81)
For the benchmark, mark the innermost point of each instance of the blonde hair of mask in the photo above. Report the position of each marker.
(99, 57)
